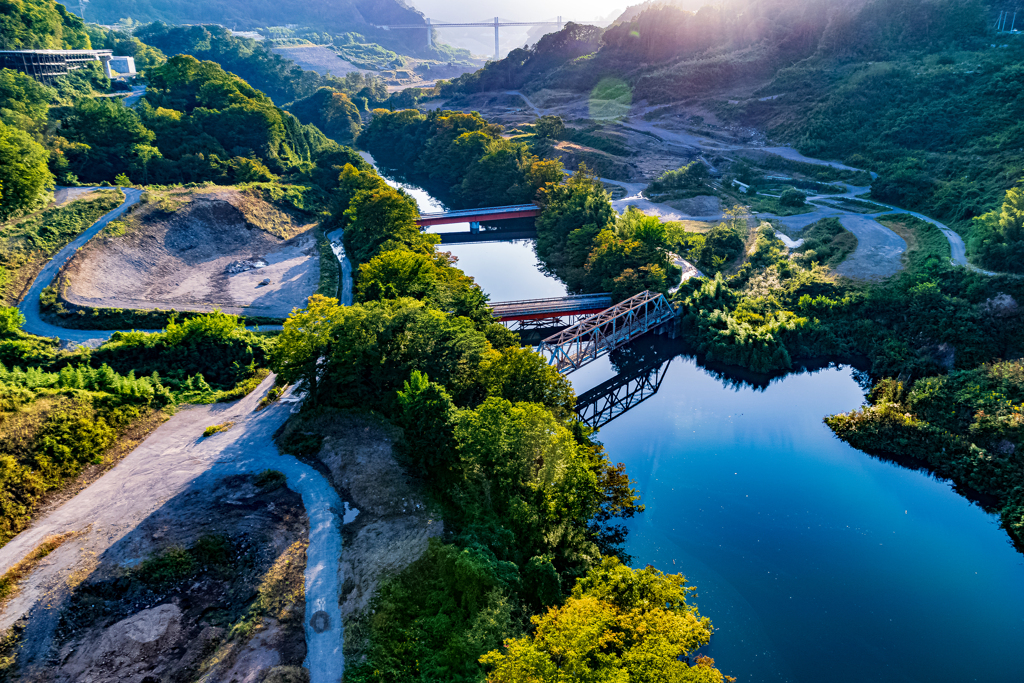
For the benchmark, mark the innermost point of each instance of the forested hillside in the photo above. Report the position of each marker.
(40, 25)
(362, 16)
(921, 92)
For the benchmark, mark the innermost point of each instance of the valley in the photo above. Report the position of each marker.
(262, 420)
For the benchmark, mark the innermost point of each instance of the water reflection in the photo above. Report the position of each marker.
(815, 561)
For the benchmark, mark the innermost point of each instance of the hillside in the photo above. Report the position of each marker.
(874, 83)
(362, 16)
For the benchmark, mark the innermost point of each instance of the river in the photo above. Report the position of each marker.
(814, 561)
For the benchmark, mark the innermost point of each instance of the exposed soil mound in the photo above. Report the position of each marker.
(704, 205)
(211, 584)
(182, 251)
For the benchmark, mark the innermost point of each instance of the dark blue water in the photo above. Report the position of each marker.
(814, 561)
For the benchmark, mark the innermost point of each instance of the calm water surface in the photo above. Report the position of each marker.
(815, 561)
(507, 271)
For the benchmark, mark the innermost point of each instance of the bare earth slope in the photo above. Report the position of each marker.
(182, 250)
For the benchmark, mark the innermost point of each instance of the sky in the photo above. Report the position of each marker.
(519, 10)
(481, 41)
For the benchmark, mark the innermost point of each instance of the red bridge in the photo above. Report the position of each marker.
(475, 216)
(565, 310)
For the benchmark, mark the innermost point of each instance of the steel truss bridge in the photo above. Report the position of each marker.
(496, 24)
(556, 312)
(605, 402)
(600, 334)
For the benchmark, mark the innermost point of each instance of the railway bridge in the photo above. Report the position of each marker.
(599, 327)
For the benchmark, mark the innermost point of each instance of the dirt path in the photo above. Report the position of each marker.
(174, 458)
(337, 238)
(63, 195)
(536, 111)
(29, 306)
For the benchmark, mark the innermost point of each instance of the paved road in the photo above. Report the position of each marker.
(30, 304)
(62, 195)
(174, 459)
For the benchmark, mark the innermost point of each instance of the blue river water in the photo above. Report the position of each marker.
(814, 561)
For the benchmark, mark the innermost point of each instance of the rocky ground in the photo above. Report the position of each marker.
(205, 585)
(199, 251)
(393, 524)
(184, 560)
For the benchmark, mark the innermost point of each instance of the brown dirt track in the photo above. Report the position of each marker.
(175, 250)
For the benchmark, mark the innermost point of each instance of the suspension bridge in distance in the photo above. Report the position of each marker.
(496, 25)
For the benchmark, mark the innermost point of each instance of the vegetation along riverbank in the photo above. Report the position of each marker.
(670, 142)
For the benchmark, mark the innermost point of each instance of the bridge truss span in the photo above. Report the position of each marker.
(598, 335)
(605, 402)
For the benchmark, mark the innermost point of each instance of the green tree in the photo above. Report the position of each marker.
(549, 127)
(573, 213)
(40, 25)
(693, 176)
(11, 320)
(426, 414)
(332, 112)
(24, 101)
(306, 342)
(375, 347)
(520, 375)
(109, 137)
(429, 277)
(620, 624)
(24, 176)
(792, 197)
(383, 216)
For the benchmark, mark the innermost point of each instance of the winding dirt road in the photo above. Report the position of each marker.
(171, 459)
(176, 458)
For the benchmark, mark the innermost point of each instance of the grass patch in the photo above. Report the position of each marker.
(9, 645)
(270, 479)
(16, 574)
(854, 205)
(59, 311)
(771, 205)
(26, 244)
(924, 240)
(330, 267)
(216, 429)
(243, 388)
(275, 393)
(826, 242)
(697, 226)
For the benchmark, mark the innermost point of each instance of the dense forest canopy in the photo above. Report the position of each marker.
(40, 25)
(362, 16)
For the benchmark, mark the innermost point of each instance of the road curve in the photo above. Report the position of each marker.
(29, 305)
(176, 459)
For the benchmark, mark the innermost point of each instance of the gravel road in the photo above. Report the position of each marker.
(29, 306)
(174, 458)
